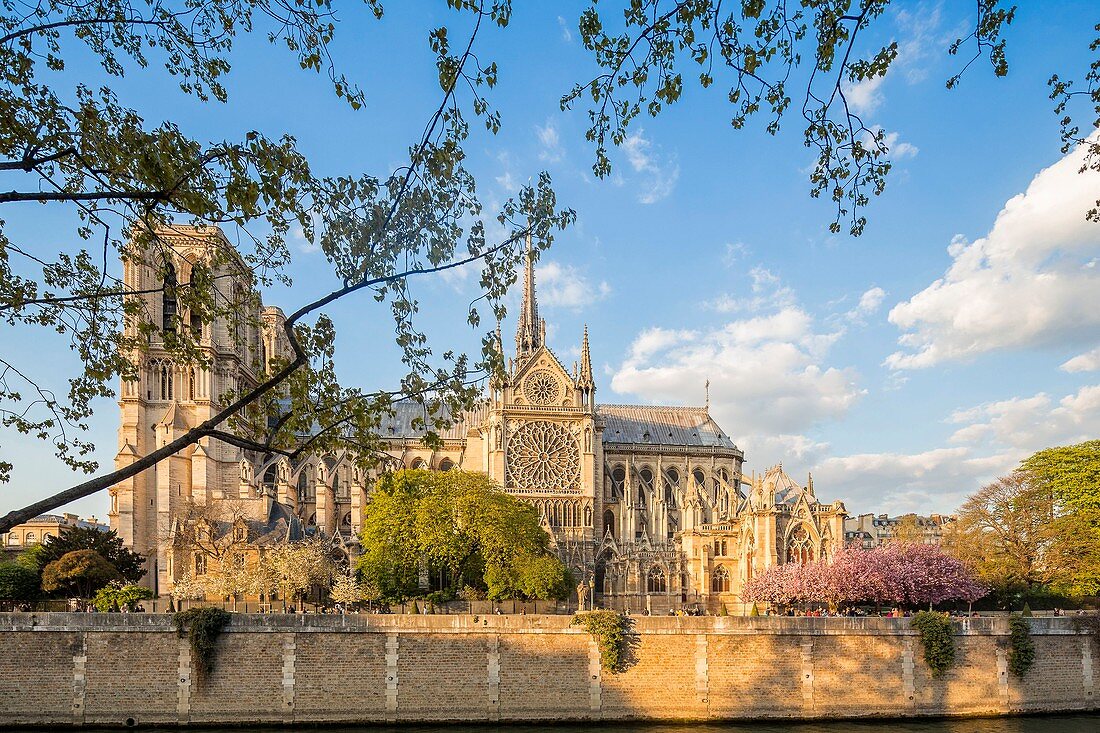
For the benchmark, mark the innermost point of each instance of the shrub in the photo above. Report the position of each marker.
(115, 596)
(17, 583)
(82, 572)
(1021, 648)
(1026, 612)
(611, 630)
(937, 639)
(754, 611)
(203, 626)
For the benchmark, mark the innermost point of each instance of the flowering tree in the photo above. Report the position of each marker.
(293, 569)
(904, 574)
(347, 590)
(188, 588)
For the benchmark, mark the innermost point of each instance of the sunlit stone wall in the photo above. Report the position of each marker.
(134, 669)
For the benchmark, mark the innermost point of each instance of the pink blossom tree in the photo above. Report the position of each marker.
(904, 574)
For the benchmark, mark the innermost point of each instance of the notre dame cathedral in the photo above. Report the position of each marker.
(649, 504)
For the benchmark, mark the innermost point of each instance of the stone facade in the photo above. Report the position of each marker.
(875, 530)
(648, 505)
(44, 526)
(134, 669)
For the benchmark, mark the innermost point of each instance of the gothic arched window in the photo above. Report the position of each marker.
(269, 476)
(191, 385)
(200, 564)
(446, 464)
(608, 521)
(166, 381)
(799, 548)
(655, 581)
(168, 299)
(720, 580)
(699, 477)
(618, 482)
(303, 485)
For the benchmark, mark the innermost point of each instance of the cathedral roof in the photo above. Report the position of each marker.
(787, 491)
(673, 426)
(405, 412)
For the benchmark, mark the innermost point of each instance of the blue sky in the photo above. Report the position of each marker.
(904, 368)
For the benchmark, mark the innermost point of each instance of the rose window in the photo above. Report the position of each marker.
(541, 388)
(543, 456)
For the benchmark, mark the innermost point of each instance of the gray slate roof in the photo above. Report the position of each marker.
(673, 426)
(689, 427)
(400, 425)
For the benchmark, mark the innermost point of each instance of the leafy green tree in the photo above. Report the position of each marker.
(129, 564)
(1071, 473)
(1021, 540)
(17, 583)
(773, 58)
(529, 577)
(115, 596)
(461, 525)
(90, 157)
(80, 572)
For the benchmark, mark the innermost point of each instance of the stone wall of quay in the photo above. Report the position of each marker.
(133, 669)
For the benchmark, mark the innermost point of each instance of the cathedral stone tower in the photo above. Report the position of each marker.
(544, 435)
(168, 398)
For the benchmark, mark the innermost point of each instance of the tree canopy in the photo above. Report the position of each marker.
(460, 525)
(1020, 540)
(94, 157)
(80, 572)
(129, 564)
(911, 575)
(1071, 473)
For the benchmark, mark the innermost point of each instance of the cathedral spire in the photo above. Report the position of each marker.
(530, 330)
(585, 380)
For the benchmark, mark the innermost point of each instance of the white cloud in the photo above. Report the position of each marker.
(767, 292)
(1087, 362)
(734, 251)
(896, 483)
(895, 147)
(865, 96)
(549, 142)
(899, 150)
(657, 178)
(869, 303)
(566, 34)
(567, 287)
(991, 439)
(764, 372)
(305, 246)
(922, 41)
(1031, 423)
(1031, 281)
